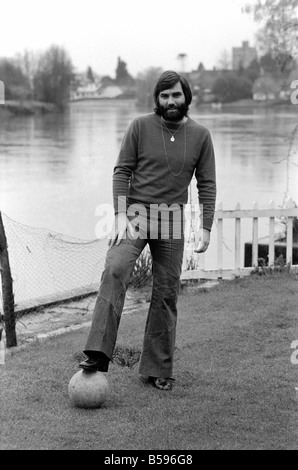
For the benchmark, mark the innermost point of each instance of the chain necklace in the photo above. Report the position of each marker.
(164, 146)
(172, 139)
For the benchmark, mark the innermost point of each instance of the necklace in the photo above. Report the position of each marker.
(172, 139)
(164, 146)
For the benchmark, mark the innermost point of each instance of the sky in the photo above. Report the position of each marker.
(143, 33)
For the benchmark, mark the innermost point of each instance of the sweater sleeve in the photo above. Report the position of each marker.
(206, 182)
(124, 167)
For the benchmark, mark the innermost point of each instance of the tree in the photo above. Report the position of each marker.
(53, 77)
(253, 71)
(266, 85)
(269, 65)
(28, 63)
(146, 81)
(122, 75)
(278, 35)
(90, 75)
(224, 62)
(232, 88)
(16, 84)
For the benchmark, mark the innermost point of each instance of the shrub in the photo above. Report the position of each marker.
(142, 272)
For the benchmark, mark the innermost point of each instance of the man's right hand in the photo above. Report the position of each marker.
(121, 229)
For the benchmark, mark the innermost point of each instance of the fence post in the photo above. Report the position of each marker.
(7, 290)
(289, 231)
(219, 242)
(255, 237)
(237, 241)
(271, 254)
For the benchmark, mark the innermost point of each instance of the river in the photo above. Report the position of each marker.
(56, 169)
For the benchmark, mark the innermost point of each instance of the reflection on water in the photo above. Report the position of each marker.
(55, 169)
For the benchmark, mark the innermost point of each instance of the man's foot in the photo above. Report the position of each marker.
(161, 383)
(96, 361)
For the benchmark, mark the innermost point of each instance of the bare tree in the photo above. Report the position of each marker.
(279, 31)
(53, 77)
(279, 37)
(146, 81)
(90, 74)
(28, 62)
(224, 62)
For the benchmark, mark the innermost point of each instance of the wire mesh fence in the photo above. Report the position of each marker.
(47, 266)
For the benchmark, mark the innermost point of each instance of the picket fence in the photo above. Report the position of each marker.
(286, 213)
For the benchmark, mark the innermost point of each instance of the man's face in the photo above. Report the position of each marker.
(171, 103)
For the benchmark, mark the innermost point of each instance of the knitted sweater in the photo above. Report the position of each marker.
(151, 169)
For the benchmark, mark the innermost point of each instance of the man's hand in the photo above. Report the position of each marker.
(122, 228)
(204, 240)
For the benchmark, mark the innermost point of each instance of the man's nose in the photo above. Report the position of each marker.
(171, 101)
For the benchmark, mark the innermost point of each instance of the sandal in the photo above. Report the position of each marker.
(161, 383)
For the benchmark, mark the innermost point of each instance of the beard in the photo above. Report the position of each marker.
(174, 113)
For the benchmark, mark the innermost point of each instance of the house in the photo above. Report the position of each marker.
(93, 91)
(111, 91)
(266, 88)
(202, 82)
(243, 56)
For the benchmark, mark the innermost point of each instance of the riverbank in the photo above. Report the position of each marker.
(248, 105)
(26, 108)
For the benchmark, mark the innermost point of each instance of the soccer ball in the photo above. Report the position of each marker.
(88, 389)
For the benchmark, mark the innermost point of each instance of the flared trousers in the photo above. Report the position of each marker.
(160, 330)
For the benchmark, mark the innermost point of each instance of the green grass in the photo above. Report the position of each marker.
(234, 388)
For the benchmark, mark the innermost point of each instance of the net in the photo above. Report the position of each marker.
(50, 267)
(47, 266)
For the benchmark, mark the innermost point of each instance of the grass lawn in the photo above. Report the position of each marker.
(234, 388)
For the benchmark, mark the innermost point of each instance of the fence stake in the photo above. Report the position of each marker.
(289, 252)
(255, 238)
(219, 242)
(271, 238)
(237, 241)
(7, 290)
(289, 240)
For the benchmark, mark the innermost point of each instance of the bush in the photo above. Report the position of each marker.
(142, 272)
(16, 84)
(232, 88)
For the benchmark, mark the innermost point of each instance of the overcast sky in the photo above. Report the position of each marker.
(144, 33)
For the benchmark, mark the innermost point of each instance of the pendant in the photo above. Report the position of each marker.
(172, 139)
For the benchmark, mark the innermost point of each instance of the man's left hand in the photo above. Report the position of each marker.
(204, 241)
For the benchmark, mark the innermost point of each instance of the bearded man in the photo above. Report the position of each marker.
(159, 155)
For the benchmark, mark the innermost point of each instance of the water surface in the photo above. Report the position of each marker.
(56, 169)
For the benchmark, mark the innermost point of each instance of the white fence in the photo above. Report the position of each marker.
(287, 214)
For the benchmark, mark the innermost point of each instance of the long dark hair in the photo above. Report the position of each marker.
(168, 80)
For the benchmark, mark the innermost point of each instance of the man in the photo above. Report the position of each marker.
(159, 154)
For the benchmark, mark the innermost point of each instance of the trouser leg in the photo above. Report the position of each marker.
(160, 330)
(108, 308)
